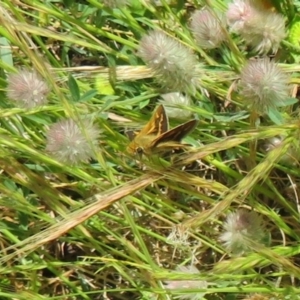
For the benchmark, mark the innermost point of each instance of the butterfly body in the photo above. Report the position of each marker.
(155, 136)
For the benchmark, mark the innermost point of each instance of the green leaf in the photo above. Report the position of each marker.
(35, 167)
(136, 7)
(275, 116)
(74, 89)
(289, 101)
(107, 104)
(39, 119)
(68, 3)
(6, 52)
(230, 117)
(88, 95)
(103, 85)
(23, 220)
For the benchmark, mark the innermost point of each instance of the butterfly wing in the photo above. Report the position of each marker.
(176, 134)
(158, 124)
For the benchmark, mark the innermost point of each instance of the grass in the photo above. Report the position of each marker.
(117, 227)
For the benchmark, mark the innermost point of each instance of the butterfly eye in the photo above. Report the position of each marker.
(139, 150)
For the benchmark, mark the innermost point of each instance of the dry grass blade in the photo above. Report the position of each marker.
(233, 141)
(245, 186)
(77, 217)
(262, 257)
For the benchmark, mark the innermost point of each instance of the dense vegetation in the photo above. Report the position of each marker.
(101, 198)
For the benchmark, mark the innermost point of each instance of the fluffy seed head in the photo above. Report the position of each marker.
(241, 230)
(264, 32)
(208, 29)
(72, 143)
(178, 237)
(261, 28)
(27, 89)
(263, 85)
(187, 284)
(173, 63)
(171, 101)
(239, 12)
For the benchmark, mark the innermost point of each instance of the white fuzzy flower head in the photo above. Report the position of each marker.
(239, 12)
(71, 143)
(27, 89)
(264, 32)
(208, 29)
(179, 236)
(187, 285)
(242, 230)
(261, 28)
(173, 63)
(263, 85)
(171, 101)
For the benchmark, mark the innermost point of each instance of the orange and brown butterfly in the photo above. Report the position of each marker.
(155, 136)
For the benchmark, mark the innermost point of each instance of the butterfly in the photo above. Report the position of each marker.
(156, 137)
